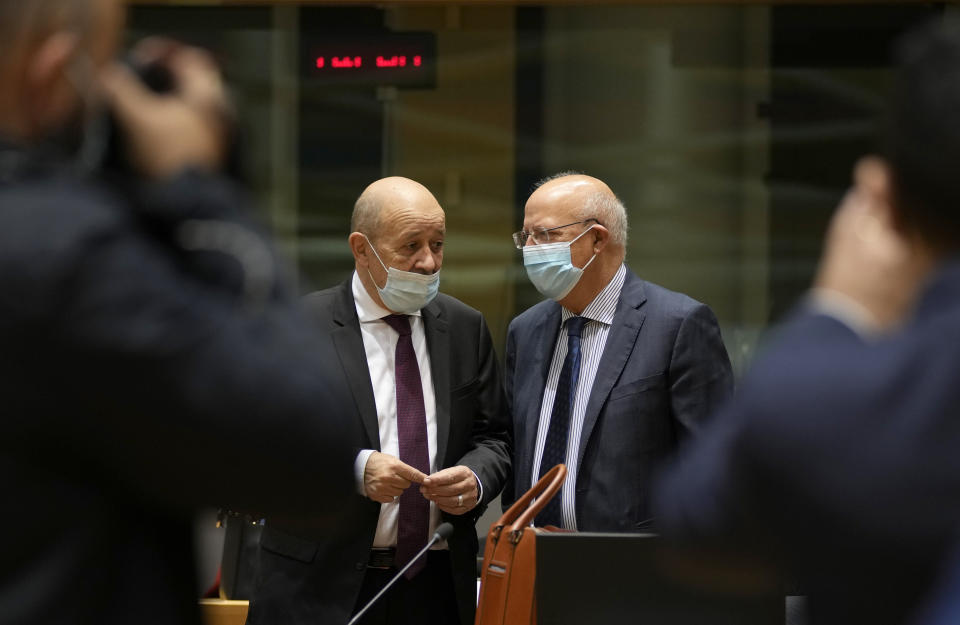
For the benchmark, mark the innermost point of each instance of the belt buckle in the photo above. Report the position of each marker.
(382, 558)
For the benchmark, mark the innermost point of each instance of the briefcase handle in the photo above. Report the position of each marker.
(521, 513)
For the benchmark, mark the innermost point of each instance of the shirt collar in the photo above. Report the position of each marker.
(604, 305)
(367, 309)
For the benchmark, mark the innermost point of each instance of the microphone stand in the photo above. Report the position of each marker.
(443, 532)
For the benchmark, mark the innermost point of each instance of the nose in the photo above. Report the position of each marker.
(427, 262)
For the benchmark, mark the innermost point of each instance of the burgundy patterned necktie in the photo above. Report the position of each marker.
(413, 526)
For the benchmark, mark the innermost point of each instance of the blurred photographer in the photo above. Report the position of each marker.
(153, 361)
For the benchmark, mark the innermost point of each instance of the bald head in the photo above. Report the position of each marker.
(30, 18)
(397, 224)
(23, 23)
(577, 197)
(40, 40)
(386, 200)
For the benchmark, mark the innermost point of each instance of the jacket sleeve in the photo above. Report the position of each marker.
(489, 456)
(700, 375)
(509, 494)
(820, 453)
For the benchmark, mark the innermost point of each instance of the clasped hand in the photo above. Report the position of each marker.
(454, 490)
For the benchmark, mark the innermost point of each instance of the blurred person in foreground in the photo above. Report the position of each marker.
(837, 463)
(427, 395)
(152, 361)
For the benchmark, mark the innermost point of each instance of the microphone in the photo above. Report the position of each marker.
(444, 531)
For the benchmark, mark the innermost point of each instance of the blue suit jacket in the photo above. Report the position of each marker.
(664, 369)
(839, 458)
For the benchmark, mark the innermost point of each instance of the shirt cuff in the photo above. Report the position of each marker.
(479, 487)
(844, 309)
(359, 465)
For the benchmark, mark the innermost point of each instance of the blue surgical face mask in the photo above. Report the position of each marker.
(405, 292)
(550, 268)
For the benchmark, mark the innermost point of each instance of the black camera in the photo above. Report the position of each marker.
(110, 154)
(113, 158)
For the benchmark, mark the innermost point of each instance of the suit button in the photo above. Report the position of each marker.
(360, 566)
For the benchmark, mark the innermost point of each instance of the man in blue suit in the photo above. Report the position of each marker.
(609, 373)
(837, 462)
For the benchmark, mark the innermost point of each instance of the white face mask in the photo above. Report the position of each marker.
(405, 292)
(550, 268)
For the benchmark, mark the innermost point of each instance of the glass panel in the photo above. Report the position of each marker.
(728, 130)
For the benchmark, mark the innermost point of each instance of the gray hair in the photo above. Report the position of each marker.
(366, 216)
(610, 212)
(556, 176)
(606, 208)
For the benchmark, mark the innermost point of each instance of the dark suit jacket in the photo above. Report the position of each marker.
(313, 577)
(663, 371)
(838, 458)
(138, 387)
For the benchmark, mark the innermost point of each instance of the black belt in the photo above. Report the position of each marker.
(384, 558)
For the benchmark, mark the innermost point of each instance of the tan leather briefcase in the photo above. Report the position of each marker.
(510, 557)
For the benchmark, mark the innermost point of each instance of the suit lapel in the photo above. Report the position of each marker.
(543, 339)
(438, 345)
(353, 358)
(620, 343)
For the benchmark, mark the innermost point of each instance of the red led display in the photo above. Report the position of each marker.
(340, 62)
(402, 59)
(356, 62)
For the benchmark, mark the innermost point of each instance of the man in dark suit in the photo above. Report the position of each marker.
(141, 379)
(387, 318)
(610, 373)
(837, 461)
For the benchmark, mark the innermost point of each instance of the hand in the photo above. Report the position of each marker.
(454, 490)
(169, 132)
(866, 257)
(385, 477)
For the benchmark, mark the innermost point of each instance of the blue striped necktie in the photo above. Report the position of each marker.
(555, 447)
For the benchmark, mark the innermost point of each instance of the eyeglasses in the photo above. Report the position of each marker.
(541, 235)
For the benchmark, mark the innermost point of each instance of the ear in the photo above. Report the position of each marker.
(359, 246)
(601, 237)
(873, 178)
(48, 97)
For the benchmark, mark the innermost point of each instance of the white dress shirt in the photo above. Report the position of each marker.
(380, 345)
(600, 312)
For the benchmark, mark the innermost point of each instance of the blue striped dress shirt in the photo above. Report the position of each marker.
(600, 313)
